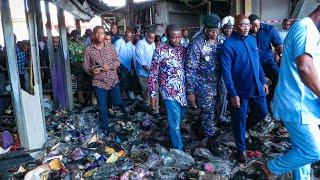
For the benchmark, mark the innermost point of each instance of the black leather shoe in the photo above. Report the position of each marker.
(212, 146)
(242, 157)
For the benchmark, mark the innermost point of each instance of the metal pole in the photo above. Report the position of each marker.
(64, 48)
(13, 71)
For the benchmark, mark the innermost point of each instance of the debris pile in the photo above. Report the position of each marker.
(139, 148)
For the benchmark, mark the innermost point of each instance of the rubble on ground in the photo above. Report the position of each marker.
(139, 148)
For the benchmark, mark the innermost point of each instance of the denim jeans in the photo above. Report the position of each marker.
(175, 113)
(305, 149)
(102, 100)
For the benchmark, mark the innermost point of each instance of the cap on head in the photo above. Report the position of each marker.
(212, 21)
(227, 21)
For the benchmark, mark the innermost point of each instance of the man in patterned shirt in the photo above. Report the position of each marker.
(167, 71)
(203, 74)
(101, 61)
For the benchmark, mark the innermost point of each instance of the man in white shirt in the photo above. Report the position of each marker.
(144, 52)
(126, 53)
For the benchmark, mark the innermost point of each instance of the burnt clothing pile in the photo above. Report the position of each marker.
(139, 148)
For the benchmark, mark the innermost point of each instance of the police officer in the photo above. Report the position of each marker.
(203, 74)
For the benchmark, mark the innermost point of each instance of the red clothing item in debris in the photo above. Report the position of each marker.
(254, 154)
(97, 58)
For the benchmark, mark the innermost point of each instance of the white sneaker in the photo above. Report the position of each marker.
(139, 98)
(131, 95)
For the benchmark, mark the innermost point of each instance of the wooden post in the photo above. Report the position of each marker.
(13, 71)
(34, 119)
(64, 48)
(78, 27)
(49, 32)
(39, 24)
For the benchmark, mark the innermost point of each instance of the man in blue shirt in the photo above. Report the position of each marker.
(126, 53)
(245, 81)
(115, 33)
(267, 36)
(296, 99)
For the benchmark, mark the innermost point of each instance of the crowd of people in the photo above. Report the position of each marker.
(237, 63)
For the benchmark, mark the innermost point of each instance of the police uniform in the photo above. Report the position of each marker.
(203, 75)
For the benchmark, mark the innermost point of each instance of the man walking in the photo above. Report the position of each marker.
(203, 74)
(126, 52)
(267, 36)
(245, 82)
(167, 73)
(144, 52)
(101, 61)
(296, 100)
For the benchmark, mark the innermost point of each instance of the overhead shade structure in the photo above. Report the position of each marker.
(81, 11)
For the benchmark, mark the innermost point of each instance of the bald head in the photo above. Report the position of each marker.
(242, 25)
(239, 18)
(128, 35)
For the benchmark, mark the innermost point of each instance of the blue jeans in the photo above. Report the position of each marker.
(102, 99)
(240, 122)
(305, 149)
(175, 113)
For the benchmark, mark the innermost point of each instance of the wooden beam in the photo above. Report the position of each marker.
(49, 33)
(50, 46)
(13, 70)
(34, 46)
(40, 32)
(64, 48)
(247, 7)
(78, 26)
(35, 58)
